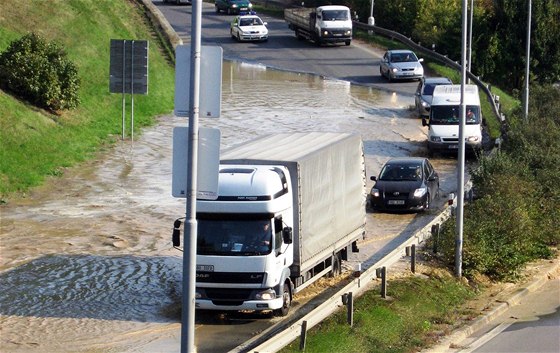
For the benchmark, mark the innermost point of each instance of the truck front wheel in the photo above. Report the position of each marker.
(347, 42)
(286, 302)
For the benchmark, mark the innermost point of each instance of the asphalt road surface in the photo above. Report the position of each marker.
(356, 63)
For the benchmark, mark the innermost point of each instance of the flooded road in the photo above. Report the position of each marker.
(86, 261)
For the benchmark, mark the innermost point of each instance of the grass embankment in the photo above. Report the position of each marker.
(35, 144)
(412, 316)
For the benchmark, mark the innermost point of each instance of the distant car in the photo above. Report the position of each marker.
(423, 98)
(248, 28)
(232, 7)
(404, 184)
(401, 64)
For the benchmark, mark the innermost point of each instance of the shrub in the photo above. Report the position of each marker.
(40, 73)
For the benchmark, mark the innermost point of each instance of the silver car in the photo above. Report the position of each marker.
(424, 92)
(401, 64)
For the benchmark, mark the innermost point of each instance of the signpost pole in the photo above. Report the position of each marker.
(189, 255)
(132, 91)
(123, 84)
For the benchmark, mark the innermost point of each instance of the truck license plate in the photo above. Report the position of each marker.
(205, 268)
(453, 147)
(395, 202)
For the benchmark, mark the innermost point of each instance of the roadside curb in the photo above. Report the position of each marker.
(451, 343)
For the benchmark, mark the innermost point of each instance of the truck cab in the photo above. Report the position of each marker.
(244, 238)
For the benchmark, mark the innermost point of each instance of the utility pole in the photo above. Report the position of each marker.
(461, 152)
(470, 36)
(528, 55)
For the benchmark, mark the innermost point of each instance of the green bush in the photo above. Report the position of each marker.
(40, 73)
(515, 216)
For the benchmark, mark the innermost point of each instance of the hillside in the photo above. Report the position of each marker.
(35, 144)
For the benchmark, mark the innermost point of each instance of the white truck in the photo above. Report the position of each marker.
(324, 24)
(443, 123)
(290, 208)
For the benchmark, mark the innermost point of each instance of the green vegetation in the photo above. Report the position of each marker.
(498, 40)
(34, 143)
(40, 73)
(515, 217)
(404, 322)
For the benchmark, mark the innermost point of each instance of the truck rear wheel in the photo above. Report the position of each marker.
(286, 302)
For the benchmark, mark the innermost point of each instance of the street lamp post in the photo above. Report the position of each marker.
(526, 95)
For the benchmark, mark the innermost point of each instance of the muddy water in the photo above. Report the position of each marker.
(87, 263)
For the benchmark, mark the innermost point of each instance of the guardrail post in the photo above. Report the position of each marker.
(413, 258)
(435, 237)
(303, 335)
(350, 313)
(383, 282)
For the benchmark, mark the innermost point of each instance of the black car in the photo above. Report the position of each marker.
(404, 184)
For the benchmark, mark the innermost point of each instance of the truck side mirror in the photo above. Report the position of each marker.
(424, 122)
(287, 235)
(373, 177)
(176, 236)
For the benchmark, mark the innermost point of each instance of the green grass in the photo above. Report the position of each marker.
(36, 144)
(408, 320)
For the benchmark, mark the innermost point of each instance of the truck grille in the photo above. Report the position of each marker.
(229, 277)
(222, 295)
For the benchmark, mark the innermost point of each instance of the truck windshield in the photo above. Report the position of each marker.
(334, 15)
(449, 114)
(234, 237)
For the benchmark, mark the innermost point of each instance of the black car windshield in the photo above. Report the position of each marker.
(449, 114)
(333, 15)
(398, 172)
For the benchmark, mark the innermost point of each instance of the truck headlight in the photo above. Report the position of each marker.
(374, 192)
(233, 6)
(250, 6)
(435, 139)
(325, 33)
(472, 139)
(348, 32)
(268, 294)
(426, 105)
(394, 69)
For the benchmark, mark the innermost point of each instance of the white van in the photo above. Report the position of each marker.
(443, 125)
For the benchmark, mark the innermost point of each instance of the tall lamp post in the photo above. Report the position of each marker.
(371, 20)
(526, 95)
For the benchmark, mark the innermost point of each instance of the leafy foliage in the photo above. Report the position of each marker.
(499, 34)
(515, 217)
(40, 73)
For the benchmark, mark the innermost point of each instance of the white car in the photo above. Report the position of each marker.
(248, 27)
(401, 65)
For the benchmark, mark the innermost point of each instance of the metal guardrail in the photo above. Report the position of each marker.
(281, 338)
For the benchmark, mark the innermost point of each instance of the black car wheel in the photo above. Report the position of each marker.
(427, 203)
